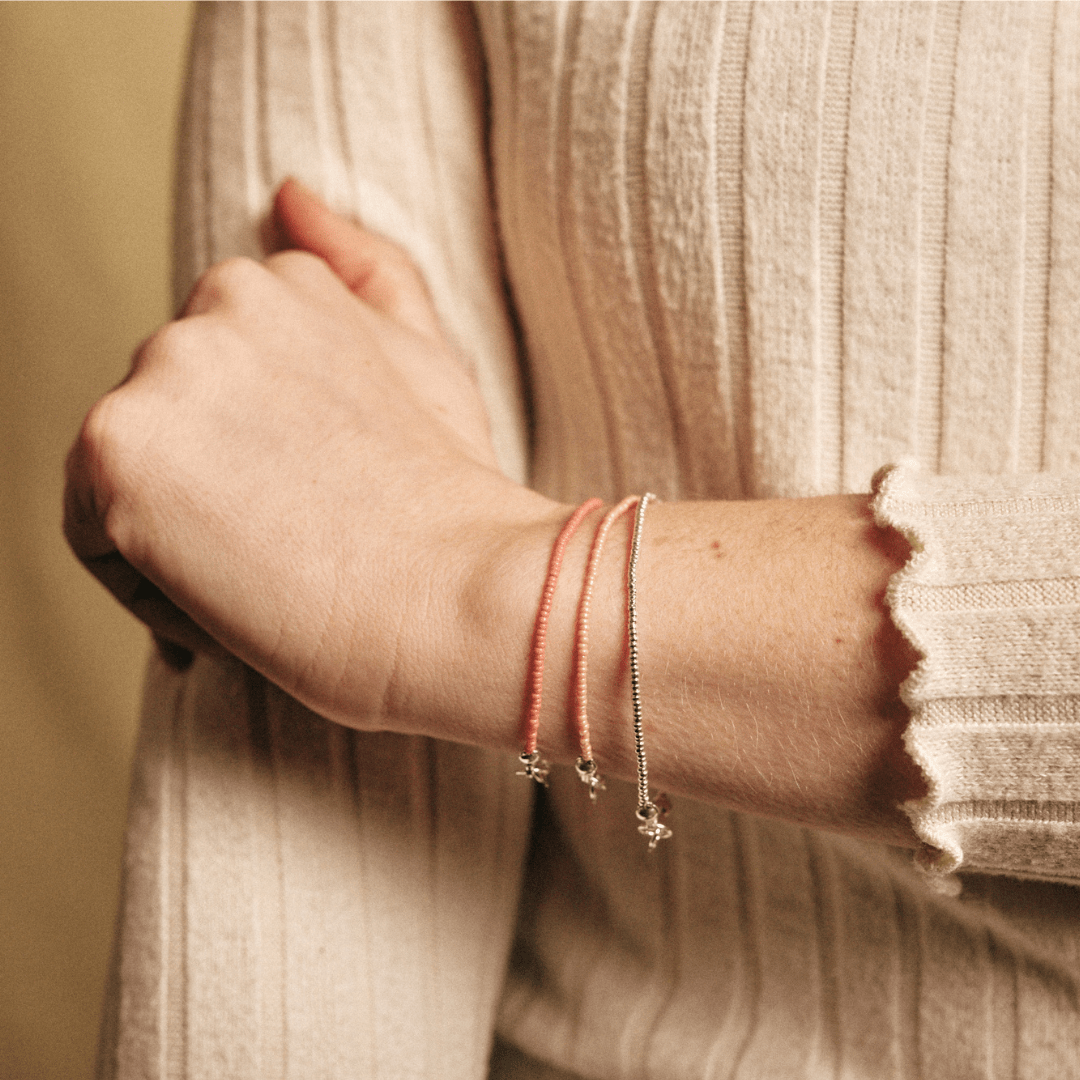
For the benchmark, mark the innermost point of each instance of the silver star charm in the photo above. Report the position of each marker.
(590, 777)
(534, 767)
(652, 827)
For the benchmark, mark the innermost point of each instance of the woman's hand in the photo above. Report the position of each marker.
(291, 469)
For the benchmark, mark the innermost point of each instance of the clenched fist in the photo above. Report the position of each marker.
(296, 471)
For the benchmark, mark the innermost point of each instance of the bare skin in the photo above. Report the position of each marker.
(298, 471)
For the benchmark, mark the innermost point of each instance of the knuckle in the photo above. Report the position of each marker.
(101, 438)
(95, 465)
(175, 347)
(97, 426)
(104, 466)
(300, 269)
(160, 345)
(294, 261)
(235, 273)
(224, 283)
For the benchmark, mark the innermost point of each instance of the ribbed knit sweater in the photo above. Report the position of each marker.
(714, 251)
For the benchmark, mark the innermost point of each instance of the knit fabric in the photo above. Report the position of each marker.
(994, 711)
(753, 250)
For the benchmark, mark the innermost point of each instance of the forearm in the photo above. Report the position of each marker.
(770, 667)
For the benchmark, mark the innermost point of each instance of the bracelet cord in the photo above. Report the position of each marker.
(647, 812)
(534, 767)
(586, 763)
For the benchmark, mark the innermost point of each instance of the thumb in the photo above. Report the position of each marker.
(374, 269)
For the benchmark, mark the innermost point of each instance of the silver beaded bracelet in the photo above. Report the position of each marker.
(648, 812)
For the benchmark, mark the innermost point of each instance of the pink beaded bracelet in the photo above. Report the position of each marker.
(586, 764)
(534, 766)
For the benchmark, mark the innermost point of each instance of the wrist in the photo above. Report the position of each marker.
(497, 614)
(473, 643)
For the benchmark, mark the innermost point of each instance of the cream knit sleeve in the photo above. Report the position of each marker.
(991, 599)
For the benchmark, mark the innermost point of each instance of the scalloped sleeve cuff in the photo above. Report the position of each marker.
(990, 599)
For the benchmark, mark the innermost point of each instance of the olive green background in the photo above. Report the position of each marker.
(88, 102)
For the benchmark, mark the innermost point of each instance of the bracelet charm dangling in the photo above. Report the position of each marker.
(652, 826)
(534, 767)
(590, 777)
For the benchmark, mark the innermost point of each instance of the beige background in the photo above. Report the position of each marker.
(88, 98)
